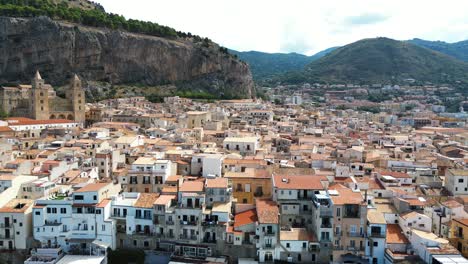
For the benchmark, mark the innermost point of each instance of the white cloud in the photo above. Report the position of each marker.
(301, 26)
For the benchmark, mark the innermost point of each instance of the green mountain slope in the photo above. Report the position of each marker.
(268, 65)
(382, 60)
(457, 50)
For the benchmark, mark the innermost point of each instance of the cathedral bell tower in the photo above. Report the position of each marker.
(77, 97)
(39, 99)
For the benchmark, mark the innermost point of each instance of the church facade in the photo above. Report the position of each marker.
(39, 101)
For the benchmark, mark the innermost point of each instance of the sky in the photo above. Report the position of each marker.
(302, 26)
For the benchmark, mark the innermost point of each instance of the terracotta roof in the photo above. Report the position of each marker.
(5, 129)
(191, 186)
(146, 200)
(267, 211)
(103, 203)
(395, 235)
(299, 182)
(217, 183)
(345, 195)
(17, 206)
(169, 189)
(463, 221)
(297, 234)
(92, 187)
(395, 174)
(164, 199)
(245, 218)
(452, 204)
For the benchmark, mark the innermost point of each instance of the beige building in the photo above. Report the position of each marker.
(197, 118)
(39, 101)
(350, 224)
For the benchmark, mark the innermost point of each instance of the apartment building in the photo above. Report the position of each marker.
(74, 222)
(349, 222)
(15, 224)
(147, 174)
(250, 184)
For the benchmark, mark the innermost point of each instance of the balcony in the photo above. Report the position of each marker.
(190, 223)
(355, 234)
(209, 223)
(169, 222)
(326, 225)
(355, 248)
(326, 211)
(378, 235)
(143, 217)
(270, 233)
(209, 240)
(188, 237)
(267, 246)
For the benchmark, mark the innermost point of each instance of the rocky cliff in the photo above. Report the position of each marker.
(59, 49)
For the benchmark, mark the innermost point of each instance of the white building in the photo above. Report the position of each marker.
(15, 224)
(243, 145)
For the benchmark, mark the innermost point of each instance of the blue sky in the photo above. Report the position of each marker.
(302, 26)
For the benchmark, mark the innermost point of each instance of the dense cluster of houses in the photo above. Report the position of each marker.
(236, 181)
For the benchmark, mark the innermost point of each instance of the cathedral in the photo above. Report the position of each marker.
(39, 101)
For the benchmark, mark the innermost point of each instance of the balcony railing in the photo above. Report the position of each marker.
(355, 234)
(375, 234)
(326, 225)
(169, 222)
(355, 248)
(326, 211)
(143, 217)
(209, 240)
(268, 246)
(189, 237)
(190, 223)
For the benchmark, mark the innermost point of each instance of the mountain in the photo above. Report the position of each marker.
(457, 50)
(267, 65)
(381, 60)
(108, 48)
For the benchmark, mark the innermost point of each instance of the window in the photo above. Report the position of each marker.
(134, 242)
(460, 180)
(304, 244)
(48, 210)
(338, 212)
(79, 197)
(54, 210)
(98, 211)
(376, 244)
(287, 245)
(95, 197)
(37, 213)
(103, 227)
(63, 210)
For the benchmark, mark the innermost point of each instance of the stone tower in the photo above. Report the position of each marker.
(39, 99)
(77, 97)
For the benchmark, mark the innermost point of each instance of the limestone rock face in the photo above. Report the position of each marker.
(59, 49)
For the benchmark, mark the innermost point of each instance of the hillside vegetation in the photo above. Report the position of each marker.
(381, 60)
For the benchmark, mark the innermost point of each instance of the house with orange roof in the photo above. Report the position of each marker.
(250, 184)
(294, 195)
(458, 235)
(297, 245)
(349, 223)
(267, 228)
(16, 224)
